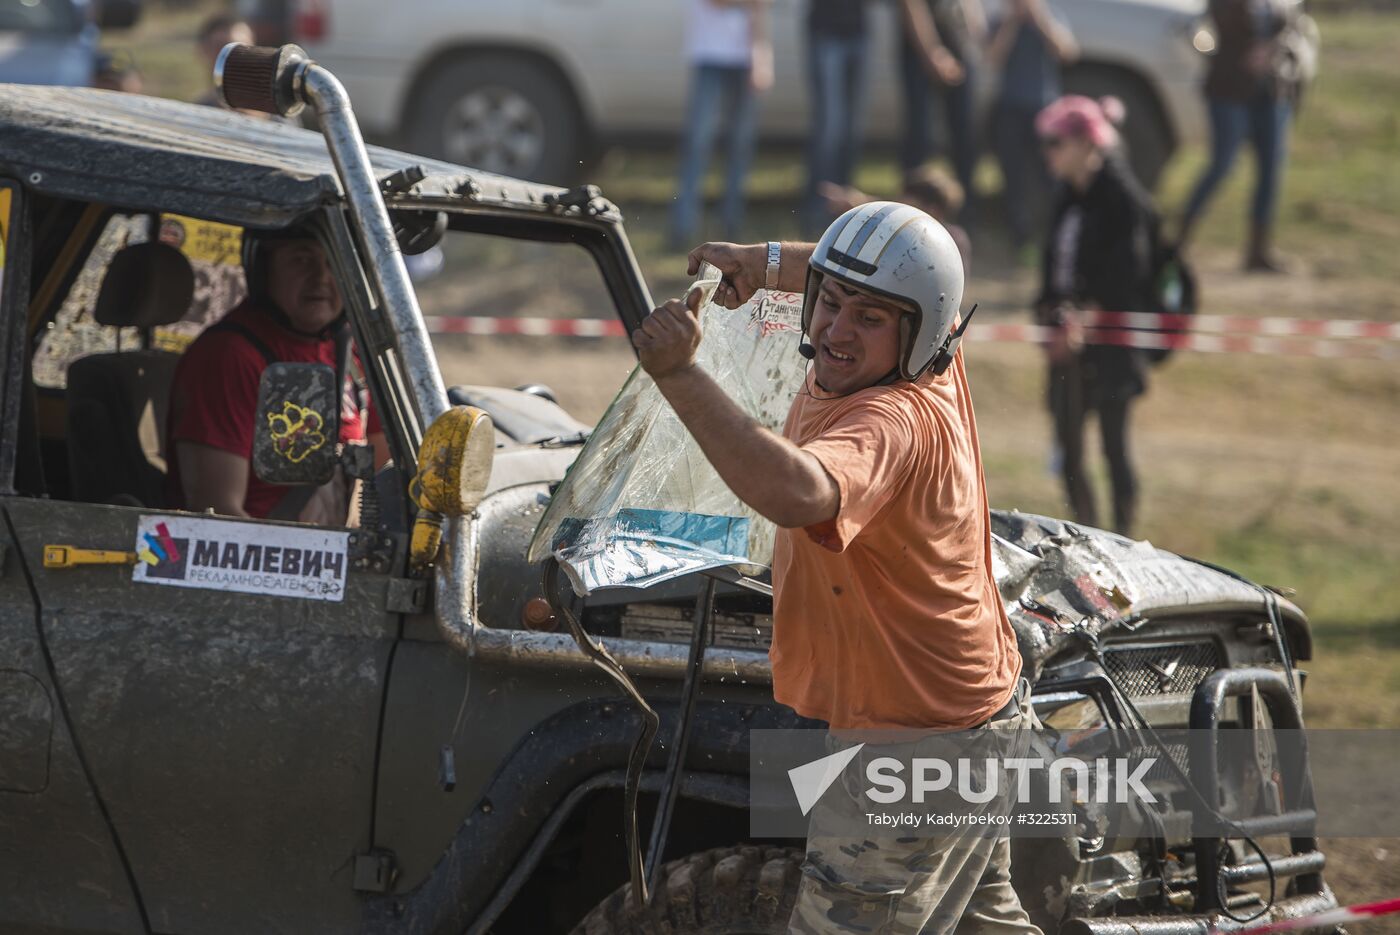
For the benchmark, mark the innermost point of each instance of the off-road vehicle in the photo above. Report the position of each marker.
(227, 725)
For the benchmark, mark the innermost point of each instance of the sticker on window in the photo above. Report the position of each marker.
(219, 555)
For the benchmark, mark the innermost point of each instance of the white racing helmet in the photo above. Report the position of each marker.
(899, 253)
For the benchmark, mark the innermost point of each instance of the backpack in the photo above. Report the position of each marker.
(1173, 292)
(1171, 282)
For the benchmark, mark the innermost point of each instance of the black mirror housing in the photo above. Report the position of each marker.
(298, 424)
(418, 231)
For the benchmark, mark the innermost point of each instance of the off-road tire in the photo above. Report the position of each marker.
(440, 97)
(746, 890)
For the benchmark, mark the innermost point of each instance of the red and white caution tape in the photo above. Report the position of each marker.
(1210, 334)
(1328, 919)
(1235, 324)
(1204, 343)
(535, 327)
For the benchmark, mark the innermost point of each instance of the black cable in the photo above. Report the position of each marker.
(1220, 894)
(636, 761)
(675, 767)
(1286, 659)
(1158, 856)
(1276, 622)
(84, 764)
(1096, 650)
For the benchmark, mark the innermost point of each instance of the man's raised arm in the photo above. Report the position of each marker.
(745, 268)
(768, 472)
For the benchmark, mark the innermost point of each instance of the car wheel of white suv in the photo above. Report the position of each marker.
(498, 112)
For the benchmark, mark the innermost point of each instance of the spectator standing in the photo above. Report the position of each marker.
(270, 19)
(731, 63)
(216, 32)
(836, 67)
(940, 47)
(1029, 45)
(1098, 258)
(1247, 97)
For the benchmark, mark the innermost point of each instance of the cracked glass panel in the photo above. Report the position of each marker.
(642, 505)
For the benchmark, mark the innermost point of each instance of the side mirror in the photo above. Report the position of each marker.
(418, 231)
(454, 468)
(298, 424)
(454, 461)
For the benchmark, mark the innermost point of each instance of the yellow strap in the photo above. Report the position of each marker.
(68, 556)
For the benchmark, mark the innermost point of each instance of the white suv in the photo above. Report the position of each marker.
(534, 88)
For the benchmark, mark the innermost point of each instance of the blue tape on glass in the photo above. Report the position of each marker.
(726, 536)
(640, 548)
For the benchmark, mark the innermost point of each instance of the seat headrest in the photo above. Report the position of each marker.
(146, 284)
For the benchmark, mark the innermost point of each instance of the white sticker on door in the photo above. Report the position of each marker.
(219, 555)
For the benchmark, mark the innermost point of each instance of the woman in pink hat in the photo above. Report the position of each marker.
(1098, 258)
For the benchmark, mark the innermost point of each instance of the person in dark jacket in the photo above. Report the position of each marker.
(939, 58)
(1247, 98)
(1029, 45)
(837, 56)
(1098, 258)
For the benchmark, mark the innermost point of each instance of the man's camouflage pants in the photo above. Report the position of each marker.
(958, 880)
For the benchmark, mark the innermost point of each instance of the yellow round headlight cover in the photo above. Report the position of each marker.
(454, 461)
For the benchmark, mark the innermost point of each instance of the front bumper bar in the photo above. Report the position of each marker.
(1293, 908)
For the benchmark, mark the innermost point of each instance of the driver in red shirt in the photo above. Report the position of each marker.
(293, 314)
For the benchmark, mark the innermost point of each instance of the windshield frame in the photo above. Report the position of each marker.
(601, 235)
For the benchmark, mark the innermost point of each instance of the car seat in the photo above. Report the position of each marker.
(118, 403)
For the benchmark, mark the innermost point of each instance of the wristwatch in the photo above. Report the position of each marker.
(775, 259)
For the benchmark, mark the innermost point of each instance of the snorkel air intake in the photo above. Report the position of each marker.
(282, 81)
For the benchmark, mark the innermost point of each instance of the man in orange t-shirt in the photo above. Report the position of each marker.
(886, 612)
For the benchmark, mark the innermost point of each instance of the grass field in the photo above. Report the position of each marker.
(1284, 468)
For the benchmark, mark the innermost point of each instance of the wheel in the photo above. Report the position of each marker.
(1146, 136)
(746, 890)
(501, 113)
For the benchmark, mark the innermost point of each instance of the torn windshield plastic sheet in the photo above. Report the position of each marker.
(642, 505)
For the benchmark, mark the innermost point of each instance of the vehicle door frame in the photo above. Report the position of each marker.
(71, 245)
(599, 234)
(86, 844)
(15, 270)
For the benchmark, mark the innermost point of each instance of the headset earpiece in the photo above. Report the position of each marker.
(949, 349)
